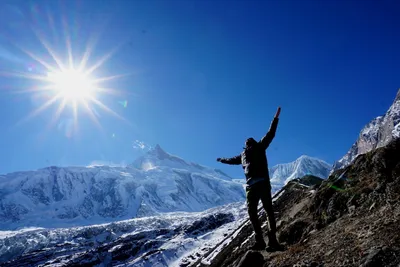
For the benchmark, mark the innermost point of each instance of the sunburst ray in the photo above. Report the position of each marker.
(110, 78)
(75, 113)
(48, 66)
(101, 61)
(68, 42)
(40, 109)
(24, 75)
(57, 115)
(88, 51)
(51, 52)
(107, 109)
(92, 116)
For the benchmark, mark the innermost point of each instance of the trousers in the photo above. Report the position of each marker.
(254, 193)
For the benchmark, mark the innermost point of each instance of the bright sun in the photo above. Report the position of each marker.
(72, 85)
(69, 84)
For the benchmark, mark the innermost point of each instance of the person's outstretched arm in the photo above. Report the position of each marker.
(267, 139)
(233, 161)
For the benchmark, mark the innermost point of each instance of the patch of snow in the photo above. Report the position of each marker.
(275, 198)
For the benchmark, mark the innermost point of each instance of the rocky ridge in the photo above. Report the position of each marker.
(377, 133)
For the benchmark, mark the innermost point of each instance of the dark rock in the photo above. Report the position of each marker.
(308, 264)
(208, 223)
(293, 232)
(251, 258)
(309, 180)
(385, 256)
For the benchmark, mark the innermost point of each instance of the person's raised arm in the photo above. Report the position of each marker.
(267, 139)
(233, 161)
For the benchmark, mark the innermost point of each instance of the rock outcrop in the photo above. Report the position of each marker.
(377, 133)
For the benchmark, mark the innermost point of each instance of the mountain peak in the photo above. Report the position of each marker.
(158, 147)
(303, 157)
(304, 165)
(310, 158)
(397, 96)
(377, 133)
(158, 152)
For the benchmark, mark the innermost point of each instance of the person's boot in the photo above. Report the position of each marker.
(273, 244)
(275, 247)
(260, 243)
(258, 246)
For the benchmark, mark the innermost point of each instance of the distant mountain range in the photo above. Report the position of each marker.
(155, 183)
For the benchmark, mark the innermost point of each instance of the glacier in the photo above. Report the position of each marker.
(171, 239)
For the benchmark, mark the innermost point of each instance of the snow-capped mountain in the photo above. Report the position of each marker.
(157, 182)
(282, 173)
(377, 133)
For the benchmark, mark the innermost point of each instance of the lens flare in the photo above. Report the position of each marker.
(124, 103)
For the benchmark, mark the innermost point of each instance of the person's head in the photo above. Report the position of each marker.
(250, 142)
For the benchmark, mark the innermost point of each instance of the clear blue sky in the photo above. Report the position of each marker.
(204, 76)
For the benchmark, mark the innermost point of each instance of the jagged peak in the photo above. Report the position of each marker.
(157, 148)
(158, 152)
(397, 96)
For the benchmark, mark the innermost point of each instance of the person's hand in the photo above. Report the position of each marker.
(219, 159)
(278, 112)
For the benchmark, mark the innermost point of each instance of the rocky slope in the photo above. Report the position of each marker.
(156, 183)
(377, 133)
(350, 219)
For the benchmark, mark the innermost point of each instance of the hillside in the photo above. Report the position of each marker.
(350, 219)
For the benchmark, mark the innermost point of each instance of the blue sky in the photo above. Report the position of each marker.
(203, 77)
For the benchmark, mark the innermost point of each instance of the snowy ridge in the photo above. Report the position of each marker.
(281, 174)
(377, 133)
(75, 196)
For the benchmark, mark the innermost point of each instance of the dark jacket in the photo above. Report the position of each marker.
(253, 158)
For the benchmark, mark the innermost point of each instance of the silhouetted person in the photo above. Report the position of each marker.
(254, 162)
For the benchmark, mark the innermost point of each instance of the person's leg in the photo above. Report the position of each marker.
(267, 204)
(253, 197)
